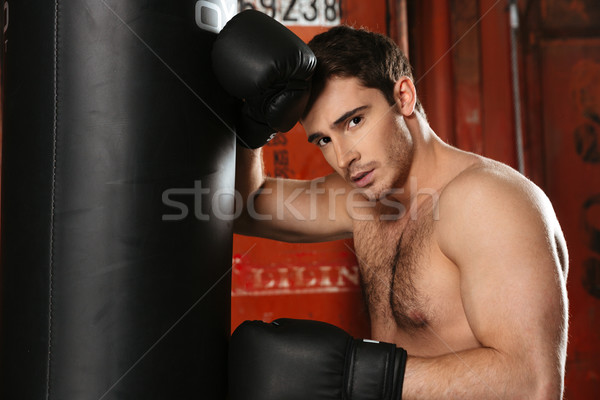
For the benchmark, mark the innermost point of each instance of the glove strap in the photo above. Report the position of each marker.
(374, 371)
(399, 369)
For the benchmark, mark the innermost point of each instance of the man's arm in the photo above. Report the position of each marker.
(503, 236)
(286, 209)
(265, 65)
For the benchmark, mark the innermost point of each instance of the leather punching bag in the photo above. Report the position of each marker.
(117, 188)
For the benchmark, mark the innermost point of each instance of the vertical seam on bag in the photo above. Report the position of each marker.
(52, 198)
(347, 384)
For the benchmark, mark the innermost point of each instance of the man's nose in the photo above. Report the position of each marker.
(345, 152)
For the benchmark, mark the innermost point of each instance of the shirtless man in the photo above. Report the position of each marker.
(462, 259)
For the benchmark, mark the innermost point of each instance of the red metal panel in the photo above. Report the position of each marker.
(368, 14)
(398, 29)
(533, 135)
(466, 63)
(571, 118)
(434, 64)
(580, 17)
(317, 281)
(498, 118)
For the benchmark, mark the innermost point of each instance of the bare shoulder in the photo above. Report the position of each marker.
(489, 195)
(489, 183)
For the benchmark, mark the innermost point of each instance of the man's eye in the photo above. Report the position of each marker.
(354, 121)
(323, 141)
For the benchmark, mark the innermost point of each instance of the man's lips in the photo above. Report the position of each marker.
(363, 178)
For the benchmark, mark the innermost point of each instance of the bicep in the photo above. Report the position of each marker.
(512, 292)
(299, 210)
(511, 281)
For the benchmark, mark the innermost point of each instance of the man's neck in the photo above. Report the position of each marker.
(424, 175)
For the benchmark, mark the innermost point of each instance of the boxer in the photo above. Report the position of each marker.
(462, 260)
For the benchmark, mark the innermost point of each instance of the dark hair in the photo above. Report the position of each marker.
(373, 58)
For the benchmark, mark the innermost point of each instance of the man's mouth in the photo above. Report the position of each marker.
(363, 178)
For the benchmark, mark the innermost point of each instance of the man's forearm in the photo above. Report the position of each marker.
(482, 373)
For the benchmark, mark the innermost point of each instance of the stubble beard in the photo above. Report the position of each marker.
(399, 159)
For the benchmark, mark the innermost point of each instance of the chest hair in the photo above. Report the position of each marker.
(389, 255)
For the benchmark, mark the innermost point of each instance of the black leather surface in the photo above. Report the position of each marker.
(261, 61)
(301, 359)
(106, 108)
(251, 67)
(296, 360)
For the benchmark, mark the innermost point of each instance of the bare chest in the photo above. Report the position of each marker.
(412, 291)
(395, 259)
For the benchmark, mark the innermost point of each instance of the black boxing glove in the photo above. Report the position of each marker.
(257, 59)
(300, 360)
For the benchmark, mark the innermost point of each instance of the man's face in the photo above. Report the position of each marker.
(360, 135)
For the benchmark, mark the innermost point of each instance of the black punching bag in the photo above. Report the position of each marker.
(117, 196)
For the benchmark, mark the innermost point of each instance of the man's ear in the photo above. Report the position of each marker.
(405, 95)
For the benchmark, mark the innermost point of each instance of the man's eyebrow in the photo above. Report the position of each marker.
(348, 114)
(338, 121)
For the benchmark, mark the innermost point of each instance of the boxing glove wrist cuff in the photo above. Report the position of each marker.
(399, 369)
(374, 371)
